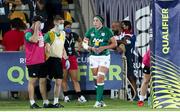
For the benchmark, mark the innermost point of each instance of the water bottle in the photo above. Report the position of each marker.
(112, 93)
(116, 94)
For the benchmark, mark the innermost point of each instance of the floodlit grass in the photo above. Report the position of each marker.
(113, 105)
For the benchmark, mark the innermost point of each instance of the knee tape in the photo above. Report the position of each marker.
(100, 84)
(101, 73)
(95, 77)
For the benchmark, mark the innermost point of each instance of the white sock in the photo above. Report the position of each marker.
(56, 100)
(142, 98)
(32, 102)
(45, 101)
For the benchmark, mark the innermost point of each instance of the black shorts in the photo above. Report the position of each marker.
(54, 68)
(37, 70)
(146, 70)
(130, 68)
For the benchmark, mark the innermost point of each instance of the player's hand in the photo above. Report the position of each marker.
(37, 26)
(100, 49)
(93, 49)
(67, 64)
(47, 48)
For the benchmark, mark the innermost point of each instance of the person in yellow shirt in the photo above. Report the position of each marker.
(55, 39)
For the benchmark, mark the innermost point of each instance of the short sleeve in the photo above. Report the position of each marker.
(28, 36)
(47, 38)
(88, 33)
(76, 36)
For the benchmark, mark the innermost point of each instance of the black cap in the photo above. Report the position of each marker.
(38, 18)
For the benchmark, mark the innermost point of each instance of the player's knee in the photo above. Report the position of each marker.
(101, 74)
(58, 83)
(131, 77)
(32, 82)
(74, 80)
(65, 79)
(100, 77)
(94, 77)
(146, 81)
(42, 81)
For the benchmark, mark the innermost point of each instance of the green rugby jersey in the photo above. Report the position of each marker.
(99, 38)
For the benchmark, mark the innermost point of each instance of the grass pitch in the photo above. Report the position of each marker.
(112, 105)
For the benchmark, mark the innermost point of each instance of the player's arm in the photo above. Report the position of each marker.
(40, 4)
(85, 43)
(34, 38)
(120, 42)
(112, 43)
(47, 41)
(79, 43)
(65, 56)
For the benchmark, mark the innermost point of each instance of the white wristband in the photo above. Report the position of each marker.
(85, 45)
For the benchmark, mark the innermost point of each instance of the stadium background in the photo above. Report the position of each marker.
(137, 11)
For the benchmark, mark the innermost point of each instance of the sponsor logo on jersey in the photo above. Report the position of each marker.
(97, 41)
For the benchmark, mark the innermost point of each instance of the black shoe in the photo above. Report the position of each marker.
(15, 98)
(34, 106)
(136, 98)
(48, 105)
(58, 105)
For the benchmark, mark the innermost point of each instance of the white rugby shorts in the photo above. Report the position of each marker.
(96, 61)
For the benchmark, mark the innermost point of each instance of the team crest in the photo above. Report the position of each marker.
(92, 35)
(103, 34)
